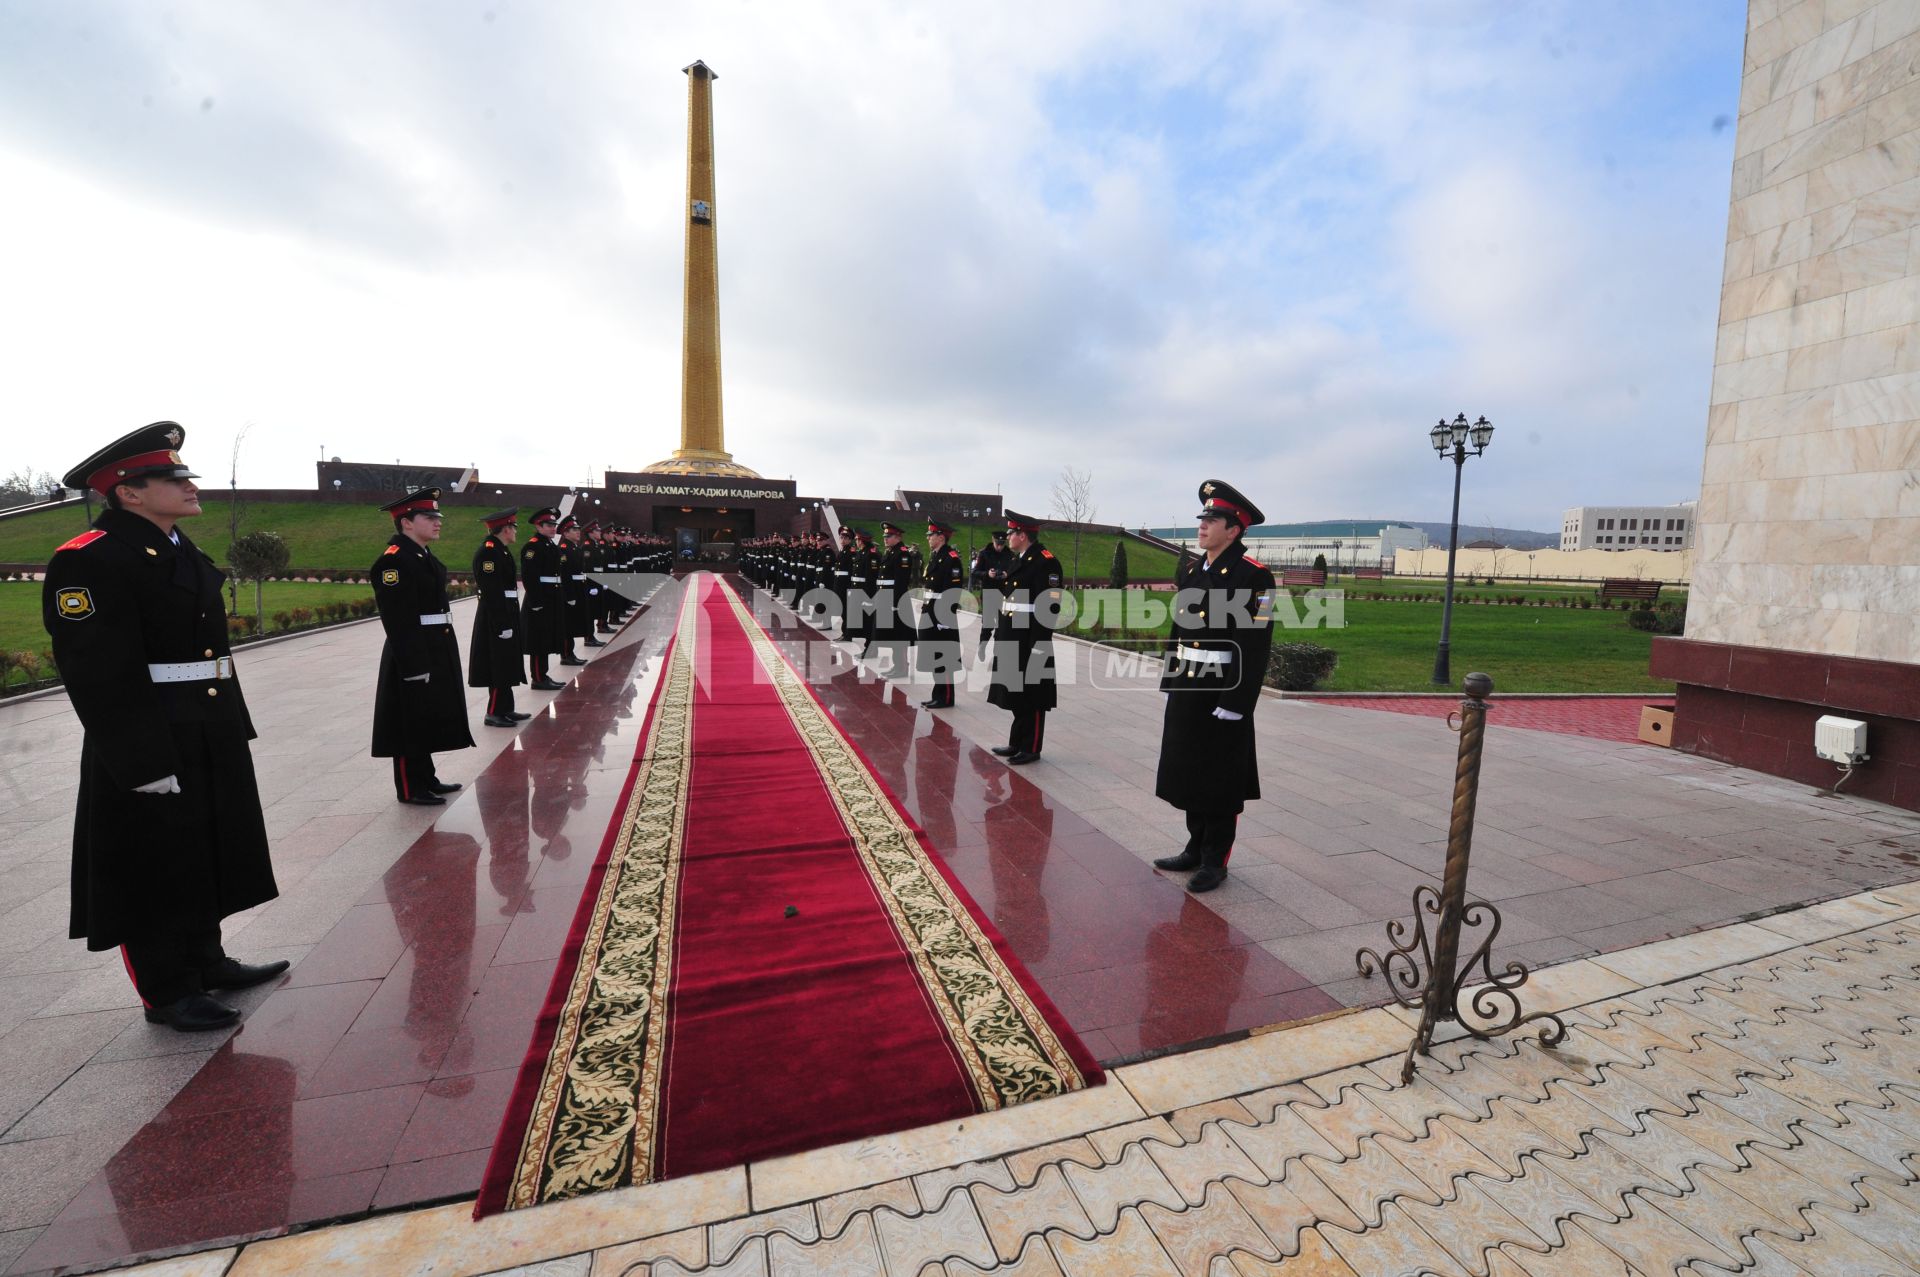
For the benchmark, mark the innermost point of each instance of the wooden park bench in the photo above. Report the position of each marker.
(1303, 576)
(1616, 587)
(1366, 574)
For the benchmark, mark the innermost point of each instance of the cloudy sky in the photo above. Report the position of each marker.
(960, 245)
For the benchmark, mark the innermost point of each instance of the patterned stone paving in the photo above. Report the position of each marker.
(1763, 1118)
(1757, 1116)
(1614, 718)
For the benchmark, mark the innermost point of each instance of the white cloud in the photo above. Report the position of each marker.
(959, 247)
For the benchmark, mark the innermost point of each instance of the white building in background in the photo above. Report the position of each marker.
(1364, 543)
(1628, 527)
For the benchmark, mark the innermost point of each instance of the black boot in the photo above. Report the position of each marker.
(1185, 862)
(231, 973)
(193, 1013)
(1206, 878)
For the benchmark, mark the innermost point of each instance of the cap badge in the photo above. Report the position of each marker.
(173, 437)
(1206, 489)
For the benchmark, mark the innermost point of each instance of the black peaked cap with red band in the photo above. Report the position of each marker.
(146, 452)
(1221, 500)
(937, 528)
(419, 501)
(547, 514)
(502, 518)
(1020, 523)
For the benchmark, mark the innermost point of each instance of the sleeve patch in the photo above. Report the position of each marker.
(487, 566)
(75, 604)
(84, 539)
(1263, 607)
(390, 577)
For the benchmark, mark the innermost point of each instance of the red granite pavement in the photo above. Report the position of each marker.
(1614, 718)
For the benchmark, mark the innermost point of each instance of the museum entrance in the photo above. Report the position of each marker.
(710, 534)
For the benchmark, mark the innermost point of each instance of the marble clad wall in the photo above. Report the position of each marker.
(1809, 515)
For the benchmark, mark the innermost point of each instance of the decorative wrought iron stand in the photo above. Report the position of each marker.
(1428, 976)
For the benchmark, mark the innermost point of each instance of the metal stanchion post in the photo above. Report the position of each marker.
(1436, 991)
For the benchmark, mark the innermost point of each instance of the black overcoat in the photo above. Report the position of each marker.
(1023, 671)
(543, 600)
(116, 600)
(411, 718)
(493, 652)
(897, 574)
(938, 644)
(1208, 764)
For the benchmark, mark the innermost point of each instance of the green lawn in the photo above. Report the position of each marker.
(1389, 646)
(20, 628)
(320, 535)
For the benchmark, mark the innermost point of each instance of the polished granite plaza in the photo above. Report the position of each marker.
(374, 1076)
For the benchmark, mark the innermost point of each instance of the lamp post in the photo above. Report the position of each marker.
(1336, 558)
(1449, 439)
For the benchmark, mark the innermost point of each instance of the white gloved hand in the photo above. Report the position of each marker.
(419, 678)
(1226, 715)
(506, 633)
(170, 785)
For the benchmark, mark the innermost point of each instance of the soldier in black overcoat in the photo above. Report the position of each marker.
(420, 708)
(989, 578)
(1216, 664)
(840, 573)
(1023, 671)
(493, 652)
(939, 635)
(578, 617)
(168, 837)
(898, 575)
(542, 623)
(860, 578)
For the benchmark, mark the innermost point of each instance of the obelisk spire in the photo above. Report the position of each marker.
(703, 448)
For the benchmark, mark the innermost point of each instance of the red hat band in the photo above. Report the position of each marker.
(105, 478)
(1222, 506)
(425, 505)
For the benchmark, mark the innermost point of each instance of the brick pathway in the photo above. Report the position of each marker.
(1601, 717)
(1747, 1099)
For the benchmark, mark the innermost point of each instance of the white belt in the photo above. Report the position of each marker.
(1016, 607)
(509, 594)
(886, 581)
(839, 573)
(1200, 656)
(548, 580)
(191, 671)
(433, 618)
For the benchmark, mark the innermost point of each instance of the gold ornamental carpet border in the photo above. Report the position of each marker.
(587, 1109)
(1011, 1052)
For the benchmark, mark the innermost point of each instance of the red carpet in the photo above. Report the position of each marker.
(768, 958)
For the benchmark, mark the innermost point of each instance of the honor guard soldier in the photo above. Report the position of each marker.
(599, 560)
(168, 838)
(865, 567)
(420, 708)
(1023, 671)
(1216, 664)
(574, 621)
(542, 623)
(939, 636)
(493, 651)
(989, 578)
(899, 573)
(842, 573)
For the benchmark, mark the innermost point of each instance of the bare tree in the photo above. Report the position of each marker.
(26, 486)
(1073, 502)
(1499, 550)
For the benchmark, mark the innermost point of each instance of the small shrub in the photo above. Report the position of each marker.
(1644, 619)
(302, 616)
(1300, 667)
(281, 621)
(239, 626)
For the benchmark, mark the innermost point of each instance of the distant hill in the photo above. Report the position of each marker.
(1513, 538)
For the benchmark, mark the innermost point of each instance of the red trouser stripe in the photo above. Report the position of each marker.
(126, 959)
(493, 699)
(400, 776)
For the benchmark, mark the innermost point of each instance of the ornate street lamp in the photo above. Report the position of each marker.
(1450, 439)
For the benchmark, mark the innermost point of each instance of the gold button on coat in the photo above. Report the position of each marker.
(213, 691)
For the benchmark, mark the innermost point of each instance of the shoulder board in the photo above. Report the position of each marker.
(84, 539)
(952, 553)
(392, 549)
(1046, 554)
(487, 546)
(1254, 563)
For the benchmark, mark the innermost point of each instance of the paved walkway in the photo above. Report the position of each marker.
(1744, 1100)
(1614, 718)
(373, 1077)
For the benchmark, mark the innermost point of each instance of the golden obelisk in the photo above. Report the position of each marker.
(703, 449)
